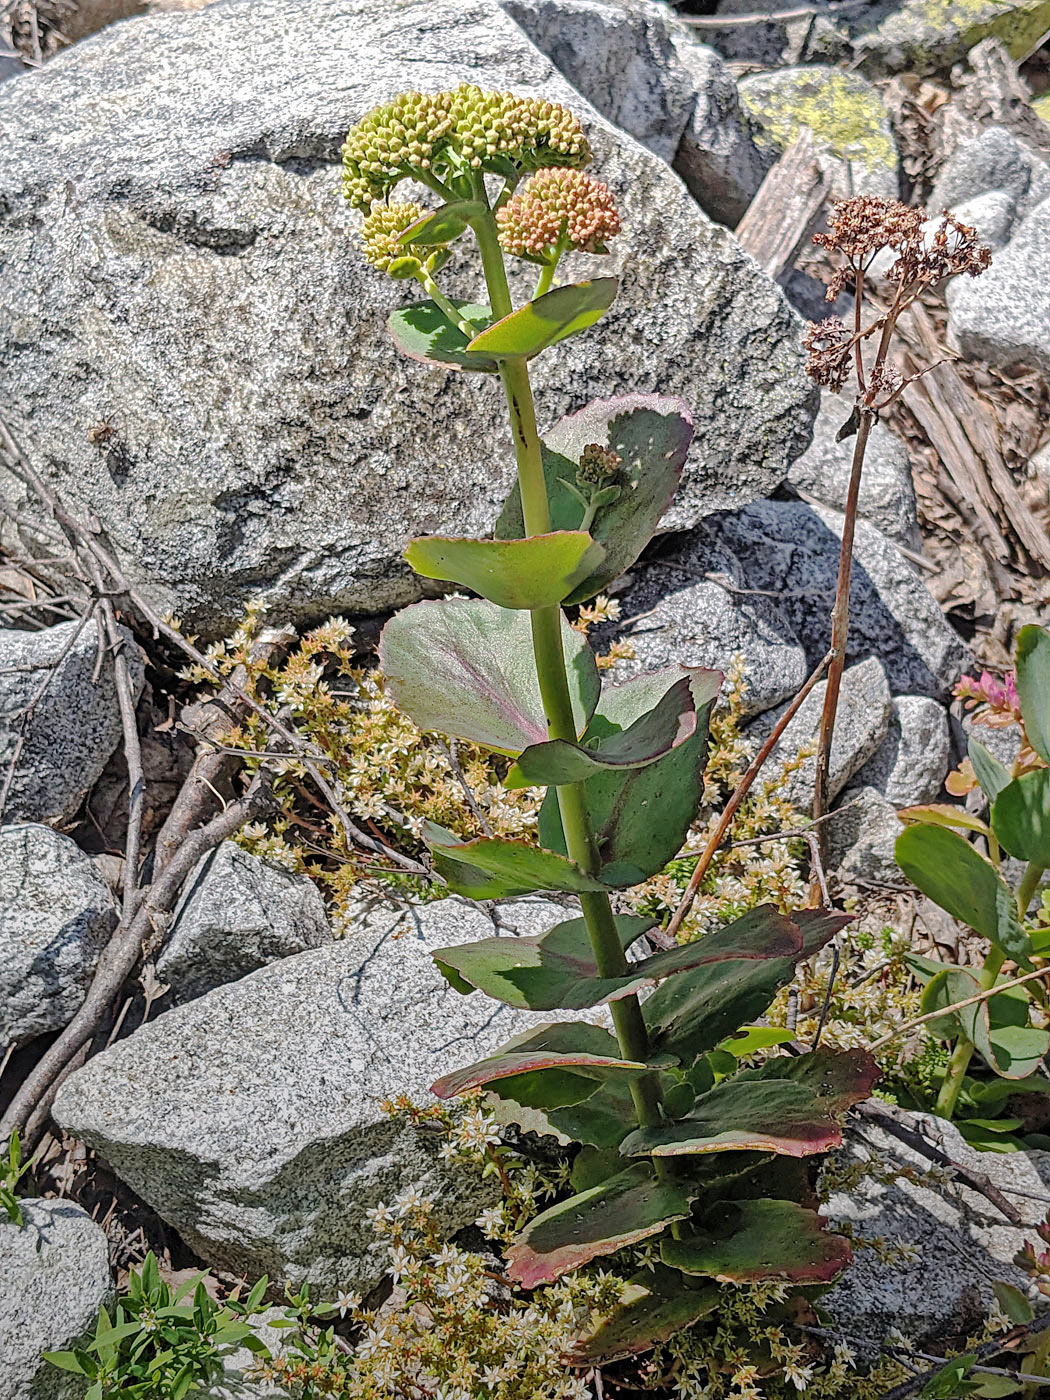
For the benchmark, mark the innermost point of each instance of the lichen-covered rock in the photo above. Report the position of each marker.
(961, 1245)
(74, 725)
(54, 1279)
(238, 913)
(718, 157)
(913, 761)
(861, 723)
(691, 607)
(251, 1118)
(887, 496)
(993, 161)
(1004, 316)
(845, 114)
(792, 550)
(621, 56)
(56, 914)
(928, 36)
(200, 285)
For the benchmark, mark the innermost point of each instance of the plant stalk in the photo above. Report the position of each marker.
(580, 844)
(959, 1063)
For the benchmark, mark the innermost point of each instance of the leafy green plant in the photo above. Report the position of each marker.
(12, 1170)
(1006, 1028)
(706, 1165)
(162, 1343)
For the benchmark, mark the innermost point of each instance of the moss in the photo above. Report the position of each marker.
(843, 112)
(930, 34)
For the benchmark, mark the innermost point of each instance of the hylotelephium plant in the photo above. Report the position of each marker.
(1006, 1028)
(672, 1151)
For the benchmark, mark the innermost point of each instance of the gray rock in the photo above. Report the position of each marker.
(238, 913)
(74, 726)
(850, 125)
(1003, 316)
(913, 760)
(56, 915)
(792, 550)
(54, 1279)
(993, 215)
(887, 496)
(778, 41)
(928, 36)
(993, 161)
(861, 723)
(718, 157)
(197, 286)
(690, 611)
(251, 1118)
(621, 57)
(862, 834)
(962, 1245)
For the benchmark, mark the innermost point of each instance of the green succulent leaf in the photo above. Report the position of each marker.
(623, 1210)
(748, 1241)
(423, 332)
(659, 731)
(689, 1015)
(943, 814)
(641, 816)
(792, 1106)
(538, 572)
(651, 434)
(992, 775)
(494, 868)
(586, 1052)
(1033, 686)
(945, 867)
(1021, 817)
(999, 1026)
(541, 323)
(654, 1305)
(600, 1121)
(444, 225)
(464, 667)
(558, 969)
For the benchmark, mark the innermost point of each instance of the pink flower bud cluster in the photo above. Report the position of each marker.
(558, 210)
(999, 698)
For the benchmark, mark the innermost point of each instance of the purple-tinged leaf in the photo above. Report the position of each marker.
(651, 434)
(533, 573)
(791, 1106)
(492, 868)
(587, 1051)
(624, 1210)
(558, 969)
(464, 667)
(423, 332)
(751, 1241)
(541, 323)
(655, 1305)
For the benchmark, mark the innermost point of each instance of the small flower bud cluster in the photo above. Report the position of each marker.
(381, 230)
(998, 699)
(558, 207)
(598, 465)
(463, 128)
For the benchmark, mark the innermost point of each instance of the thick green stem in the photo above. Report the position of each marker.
(554, 689)
(963, 1052)
(438, 297)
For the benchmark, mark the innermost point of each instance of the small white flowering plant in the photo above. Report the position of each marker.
(706, 1168)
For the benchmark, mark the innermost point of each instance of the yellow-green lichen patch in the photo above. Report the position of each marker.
(1041, 107)
(927, 35)
(844, 113)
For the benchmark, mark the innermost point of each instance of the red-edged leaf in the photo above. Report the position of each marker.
(585, 1050)
(749, 1241)
(623, 1210)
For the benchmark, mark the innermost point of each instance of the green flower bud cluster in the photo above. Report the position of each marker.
(598, 465)
(449, 133)
(379, 237)
(557, 211)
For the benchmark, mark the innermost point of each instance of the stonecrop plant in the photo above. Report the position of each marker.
(1007, 1027)
(706, 1166)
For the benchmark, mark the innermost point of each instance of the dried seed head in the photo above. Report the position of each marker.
(598, 465)
(558, 210)
(829, 346)
(466, 128)
(379, 235)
